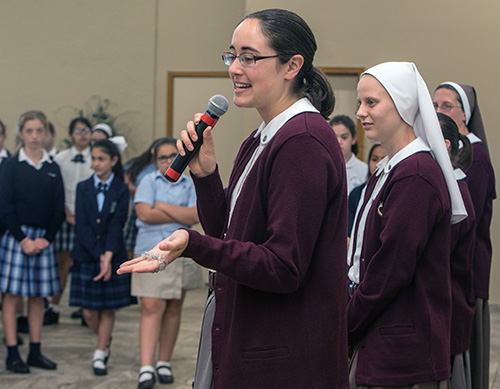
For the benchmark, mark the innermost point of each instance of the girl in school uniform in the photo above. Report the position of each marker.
(100, 214)
(162, 207)
(31, 217)
(356, 169)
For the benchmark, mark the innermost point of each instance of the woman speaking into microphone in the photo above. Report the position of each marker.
(276, 241)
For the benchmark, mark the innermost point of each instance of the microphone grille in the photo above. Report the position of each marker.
(218, 105)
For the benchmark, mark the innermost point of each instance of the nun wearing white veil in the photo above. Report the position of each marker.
(459, 101)
(400, 308)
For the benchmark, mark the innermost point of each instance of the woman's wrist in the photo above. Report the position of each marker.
(204, 174)
(23, 241)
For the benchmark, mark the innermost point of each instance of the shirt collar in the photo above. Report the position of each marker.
(3, 154)
(413, 147)
(52, 152)
(84, 152)
(351, 161)
(459, 174)
(473, 138)
(23, 157)
(97, 180)
(266, 132)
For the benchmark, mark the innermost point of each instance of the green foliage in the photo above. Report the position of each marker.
(97, 110)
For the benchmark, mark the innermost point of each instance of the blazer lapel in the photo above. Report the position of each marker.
(90, 196)
(108, 199)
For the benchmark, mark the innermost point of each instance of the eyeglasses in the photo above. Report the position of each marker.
(78, 131)
(246, 59)
(445, 107)
(164, 158)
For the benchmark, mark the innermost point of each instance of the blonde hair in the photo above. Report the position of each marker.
(25, 117)
(32, 115)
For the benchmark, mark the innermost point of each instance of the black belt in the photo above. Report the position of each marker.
(352, 288)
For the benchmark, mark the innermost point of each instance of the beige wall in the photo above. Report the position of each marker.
(59, 53)
(55, 53)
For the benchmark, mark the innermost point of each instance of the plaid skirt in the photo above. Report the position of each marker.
(64, 237)
(98, 295)
(130, 234)
(28, 275)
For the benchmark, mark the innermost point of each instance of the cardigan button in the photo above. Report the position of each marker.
(98, 221)
(98, 237)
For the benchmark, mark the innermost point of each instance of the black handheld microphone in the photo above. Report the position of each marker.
(217, 106)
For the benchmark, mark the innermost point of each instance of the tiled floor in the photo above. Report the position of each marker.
(72, 346)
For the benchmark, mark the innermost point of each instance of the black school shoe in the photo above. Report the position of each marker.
(78, 314)
(17, 366)
(149, 383)
(97, 366)
(99, 361)
(41, 362)
(50, 317)
(164, 378)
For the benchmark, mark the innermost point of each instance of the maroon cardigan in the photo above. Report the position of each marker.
(280, 319)
(463, 236)
(481, 182)
(399, 316)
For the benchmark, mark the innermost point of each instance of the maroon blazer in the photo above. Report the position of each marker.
(481, 182)
(399, 316)
(463, 236)
(280, 319)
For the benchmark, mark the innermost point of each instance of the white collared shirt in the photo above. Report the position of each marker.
(52, 153)
(459, 174)
(357, 172)
(72, 173)
(23, 157)
(384, 167)
(3, 155)
(473, 138)
(266, 133)
(101, 195)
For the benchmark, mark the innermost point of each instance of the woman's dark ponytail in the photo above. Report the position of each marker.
(463, 158)
(460, 147)
(319, 91)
